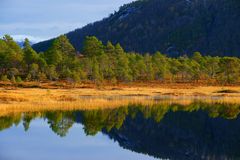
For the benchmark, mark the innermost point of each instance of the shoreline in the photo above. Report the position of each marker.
(127, 89)
(12, 98)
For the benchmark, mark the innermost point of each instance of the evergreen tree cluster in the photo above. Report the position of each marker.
(98, 63)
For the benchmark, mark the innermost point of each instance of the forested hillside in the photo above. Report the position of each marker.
(174, 27)
(109, 62)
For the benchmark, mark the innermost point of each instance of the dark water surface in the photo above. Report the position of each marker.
(195, 131)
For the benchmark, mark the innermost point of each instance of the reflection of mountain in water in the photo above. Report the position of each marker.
(181, 135)
(195, 131)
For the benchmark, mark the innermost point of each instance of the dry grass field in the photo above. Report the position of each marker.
(91, 97)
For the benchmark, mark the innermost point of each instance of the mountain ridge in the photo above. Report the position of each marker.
(174, 27)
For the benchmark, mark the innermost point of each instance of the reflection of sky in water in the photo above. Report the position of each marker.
(40, 143)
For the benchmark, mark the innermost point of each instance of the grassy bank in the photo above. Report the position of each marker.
(51, 96)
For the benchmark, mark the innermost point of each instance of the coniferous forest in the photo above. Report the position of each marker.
(98, 62)
(175, 27)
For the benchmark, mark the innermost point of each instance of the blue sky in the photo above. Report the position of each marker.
(43, 19)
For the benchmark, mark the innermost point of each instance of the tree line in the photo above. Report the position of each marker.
(98, 63)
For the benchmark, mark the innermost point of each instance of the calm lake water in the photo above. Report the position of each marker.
(195, 131)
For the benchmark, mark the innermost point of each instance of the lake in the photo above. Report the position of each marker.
(134, 132)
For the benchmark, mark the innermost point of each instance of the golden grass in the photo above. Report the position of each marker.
(34, 99)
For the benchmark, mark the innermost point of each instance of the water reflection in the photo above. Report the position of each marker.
(195, 131)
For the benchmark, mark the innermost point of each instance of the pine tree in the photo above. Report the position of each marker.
(92, 47)
(122, 67)
(10, 54)
(229, 70)
(97, 76)
(30, 56)
(149, 67)
(160, 66)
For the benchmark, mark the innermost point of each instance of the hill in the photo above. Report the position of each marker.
(174, 27)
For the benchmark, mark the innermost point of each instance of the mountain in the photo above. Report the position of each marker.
(21, 38)
(174, 27)
(21, 43)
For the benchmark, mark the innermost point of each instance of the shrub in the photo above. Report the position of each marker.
(4, 78)
(18, 79)
(13, 80)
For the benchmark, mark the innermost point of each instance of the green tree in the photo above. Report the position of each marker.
(10, 54)
(110, 59)
(92, 47)
(122, 66)
(106, 67)
(149, 67)
(185, 68)
(160, 66)
(197, 57)
(60, 50)
(62, 55)
(195, 70)
(229, 70)
(30, 56)
(13, 72)
(52, 73)
(137, 66)
(175, 66)
(96, 74)
(34, 71)
(212, 66)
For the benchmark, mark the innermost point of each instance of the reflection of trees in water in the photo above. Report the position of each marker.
(60, 122)
(27, 118)
(8, 121)
(195, 131)
(97, 120)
